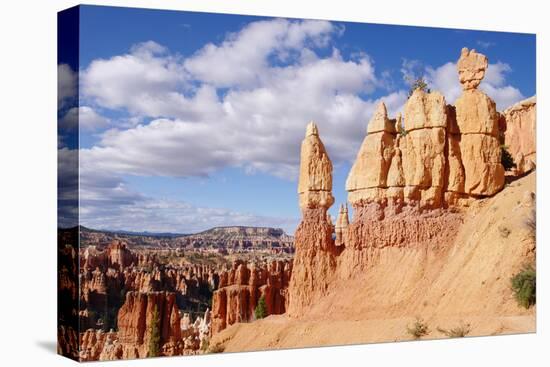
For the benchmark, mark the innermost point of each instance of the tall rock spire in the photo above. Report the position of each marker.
(315, 256)
(315, 181)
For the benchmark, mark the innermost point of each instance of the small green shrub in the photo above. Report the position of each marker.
(261, 309)
(458, 332)
(524, 286)
(419, 329)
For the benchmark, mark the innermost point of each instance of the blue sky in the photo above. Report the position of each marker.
(192, 120)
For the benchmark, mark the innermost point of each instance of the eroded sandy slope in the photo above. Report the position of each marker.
(464, 282)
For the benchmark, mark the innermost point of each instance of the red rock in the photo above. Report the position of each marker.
(314, 259)
(135, 321)
(236, 299)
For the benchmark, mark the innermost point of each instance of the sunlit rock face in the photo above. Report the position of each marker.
(520, 136)
(407, 185)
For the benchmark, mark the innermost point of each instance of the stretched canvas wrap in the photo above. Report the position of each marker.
(234, 183)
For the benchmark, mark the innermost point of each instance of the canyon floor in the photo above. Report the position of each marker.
(466, 282)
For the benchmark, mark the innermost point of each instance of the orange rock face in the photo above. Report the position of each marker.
(315, 248)
(314, 261)
(477, 122)
(135, 322)
(370, 170)
(315, 180)
(423, 148)
(520, 137)
(471, 68)
(241, 287)
(375, 227)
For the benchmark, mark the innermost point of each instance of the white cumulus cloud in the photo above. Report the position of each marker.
(244, 57)
(257, 125)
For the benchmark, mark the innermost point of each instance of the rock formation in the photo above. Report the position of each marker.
(243, 238)
(131, 340)
(98, 345)
(370, 170)
(315, 255)
(410, 178)
(116, 255)
(477, 123)
(119, 256)
(520, 136)
(228, 238)
(122, 278)
(471, 68)
(135, 322)
(342, 223)
(67, 293)
(442, 152)
(241, 287)
(315, 180)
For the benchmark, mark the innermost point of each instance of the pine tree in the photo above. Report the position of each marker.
(261, 309)
(154, 341)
